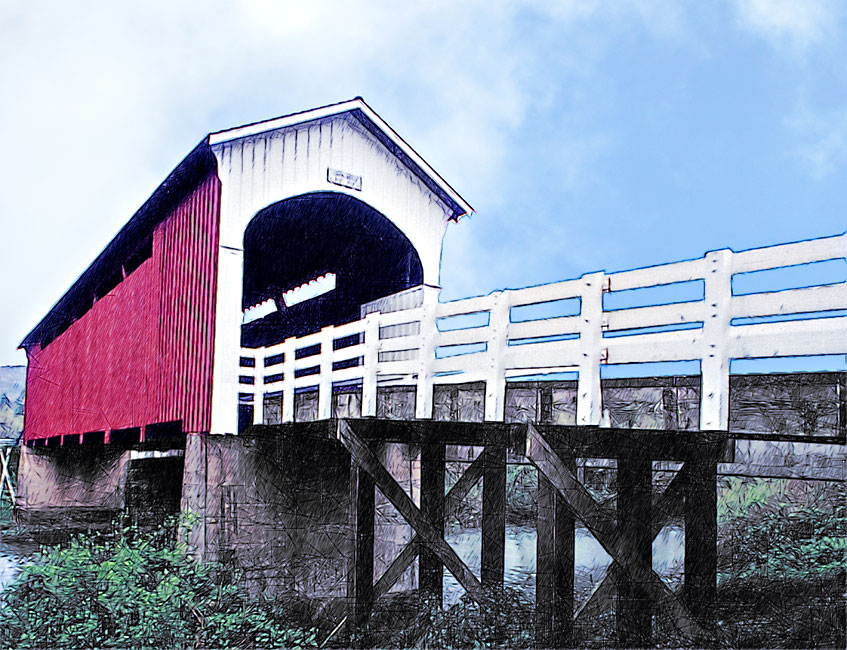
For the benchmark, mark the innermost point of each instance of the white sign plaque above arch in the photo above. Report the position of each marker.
(338, 177)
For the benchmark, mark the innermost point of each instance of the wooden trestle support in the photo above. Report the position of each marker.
(626, 533)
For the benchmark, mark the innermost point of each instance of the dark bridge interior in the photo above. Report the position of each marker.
(297, 240)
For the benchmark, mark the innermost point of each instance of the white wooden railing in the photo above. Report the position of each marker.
(414, 346)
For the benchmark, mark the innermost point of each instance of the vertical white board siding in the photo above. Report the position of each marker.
(278, 155)
(325, 145)
(259, 178)
(314, 159)
(301, 159)
(226, 365)
(288, 167)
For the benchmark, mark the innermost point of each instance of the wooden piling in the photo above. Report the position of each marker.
(555, 568)
(493, 558)
(634, 608)
(432, 507)
(360, 573)
(701, 537)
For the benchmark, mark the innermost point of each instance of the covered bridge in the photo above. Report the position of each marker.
(246, 345)
(149, 337)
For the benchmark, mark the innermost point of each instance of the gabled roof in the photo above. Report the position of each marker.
(194, 167)
(376, 126)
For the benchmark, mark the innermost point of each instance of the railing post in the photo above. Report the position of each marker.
(258, 396)
(426, 354)
(714, 395)
(371, 361)
(325, 382)
(498, 337)
(288, 347)
(589, 404)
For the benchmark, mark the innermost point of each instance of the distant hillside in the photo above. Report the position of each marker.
(12, 386)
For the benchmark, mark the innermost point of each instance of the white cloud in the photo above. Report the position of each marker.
(798, 24)
(823, 146)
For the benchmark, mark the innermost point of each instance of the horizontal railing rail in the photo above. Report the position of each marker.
(684, 311)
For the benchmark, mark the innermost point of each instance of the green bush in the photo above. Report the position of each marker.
(521, 490)
(140, 590)
(782, 529)
(506, 620)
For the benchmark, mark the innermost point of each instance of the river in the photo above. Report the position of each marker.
(14, 556)
(591, 560)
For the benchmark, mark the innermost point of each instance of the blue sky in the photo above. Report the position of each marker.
(587, 135)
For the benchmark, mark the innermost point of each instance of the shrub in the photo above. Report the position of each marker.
(782, 529)
(505, 621)
(140, 590)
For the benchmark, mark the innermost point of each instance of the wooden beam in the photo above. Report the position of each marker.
(601, 442)
(396, 569)
(493, 558)
(452, 502)
(555, 568)
(578, 499)
(360, 571)
(419, 431)
(602, 595)
(432, 507)
(701, 538)
(601, 524)
(666, 507)
(634, 608)
(429, 535)
(587, 441)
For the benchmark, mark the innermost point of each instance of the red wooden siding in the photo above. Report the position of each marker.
(143, 353)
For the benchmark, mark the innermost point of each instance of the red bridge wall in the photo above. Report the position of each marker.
(143, 353)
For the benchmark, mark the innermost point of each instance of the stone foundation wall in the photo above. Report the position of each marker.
(277, 510)
(70, 485)
(75, 487)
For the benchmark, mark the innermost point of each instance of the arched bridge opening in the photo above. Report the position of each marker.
(313, 260)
